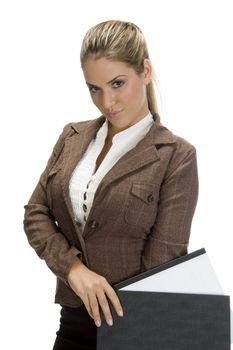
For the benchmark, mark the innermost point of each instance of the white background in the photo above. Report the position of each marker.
(42, 88)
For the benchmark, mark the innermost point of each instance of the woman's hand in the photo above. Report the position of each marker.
(93, 289)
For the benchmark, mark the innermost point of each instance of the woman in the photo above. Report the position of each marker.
(118, 193)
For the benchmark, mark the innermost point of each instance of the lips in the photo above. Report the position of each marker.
(114, 114)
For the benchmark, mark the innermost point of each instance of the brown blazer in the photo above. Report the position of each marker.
(141, 214)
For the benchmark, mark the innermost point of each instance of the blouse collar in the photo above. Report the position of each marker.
(131, 132)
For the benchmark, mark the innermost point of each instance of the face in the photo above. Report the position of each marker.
(118, 91)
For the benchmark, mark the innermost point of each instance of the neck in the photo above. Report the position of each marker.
(112, 130)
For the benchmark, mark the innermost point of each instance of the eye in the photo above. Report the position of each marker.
(118, 83)
(93, 89)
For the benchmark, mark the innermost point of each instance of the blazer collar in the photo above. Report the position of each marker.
(158, 133)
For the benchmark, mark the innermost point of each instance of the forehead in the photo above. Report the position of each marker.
(102, 70)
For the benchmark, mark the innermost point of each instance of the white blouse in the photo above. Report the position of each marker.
(84, 180)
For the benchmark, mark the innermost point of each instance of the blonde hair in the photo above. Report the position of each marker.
(120, 41)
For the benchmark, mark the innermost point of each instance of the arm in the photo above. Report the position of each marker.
(178, 198)
(65, 260)
(40, 227)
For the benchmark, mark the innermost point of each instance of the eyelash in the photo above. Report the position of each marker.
(120, 82)
(117, 82)
(92, 87)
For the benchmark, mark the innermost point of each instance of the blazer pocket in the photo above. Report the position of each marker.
(141, 206)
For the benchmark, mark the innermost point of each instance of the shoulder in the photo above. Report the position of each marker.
(175, 149)
(163, 136)
(73, 127)
(183, 146)
(76, 126)
(183, 157)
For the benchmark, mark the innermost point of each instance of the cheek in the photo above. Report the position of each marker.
(135, 92)
(95, 100)
(127, 95)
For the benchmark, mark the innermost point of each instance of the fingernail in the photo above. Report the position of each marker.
(120, 313)
(98, 323)
(110, 322)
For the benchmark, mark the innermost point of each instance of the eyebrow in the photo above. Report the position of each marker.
(109, 82)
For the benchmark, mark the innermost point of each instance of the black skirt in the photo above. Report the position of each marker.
(77, 330)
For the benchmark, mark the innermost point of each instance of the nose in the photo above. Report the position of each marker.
(108, 100)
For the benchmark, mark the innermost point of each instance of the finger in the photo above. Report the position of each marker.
(94, 306)
(103, 302)
(87, 305)
(114, 299)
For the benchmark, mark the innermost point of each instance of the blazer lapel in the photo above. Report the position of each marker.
(76, 145)
(74, 148)
(144, 153)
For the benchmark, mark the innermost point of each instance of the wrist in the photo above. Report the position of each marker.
(75, 267)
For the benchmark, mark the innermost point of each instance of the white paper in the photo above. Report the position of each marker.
(192, 276)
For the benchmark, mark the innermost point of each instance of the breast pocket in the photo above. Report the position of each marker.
(141, 206)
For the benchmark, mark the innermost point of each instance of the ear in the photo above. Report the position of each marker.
(147, 70)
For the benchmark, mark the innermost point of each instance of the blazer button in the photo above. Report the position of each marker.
(93, 224)
(78, 223)
(150, 197)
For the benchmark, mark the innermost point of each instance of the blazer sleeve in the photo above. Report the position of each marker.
(40, 226)
(170, 233)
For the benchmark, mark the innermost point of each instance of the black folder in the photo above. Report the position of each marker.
(167, 321)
